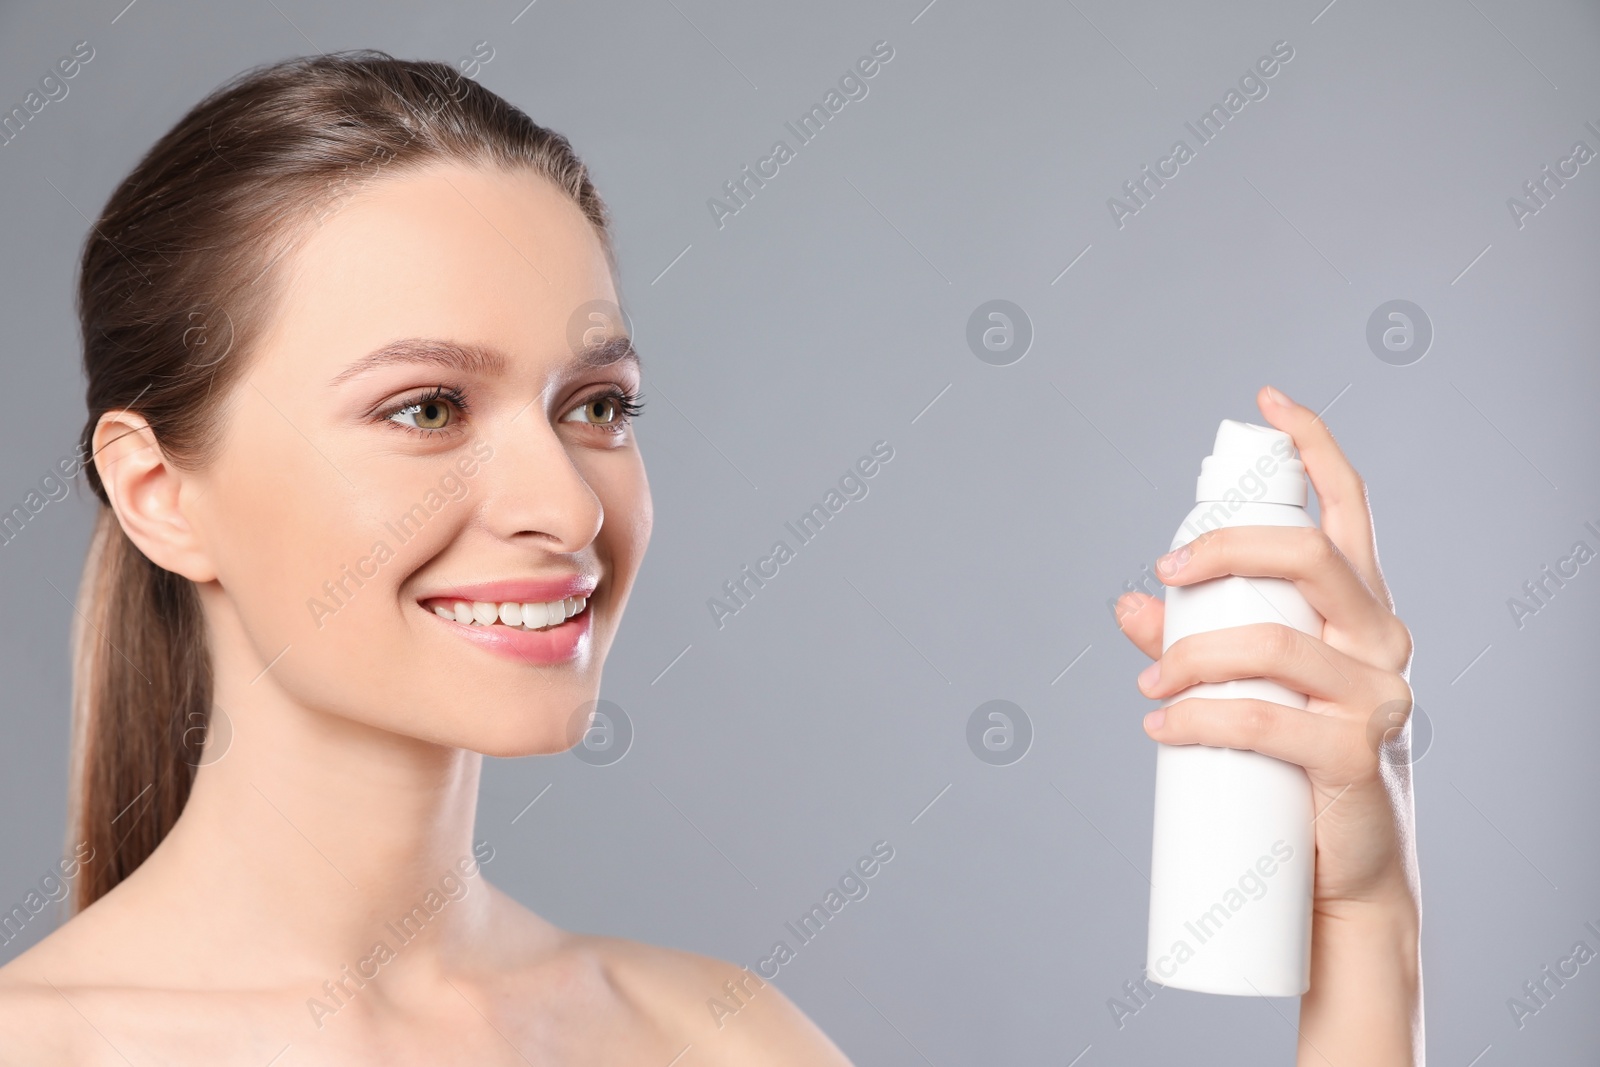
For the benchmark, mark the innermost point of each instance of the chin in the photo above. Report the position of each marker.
(532, 739)
(541, 724)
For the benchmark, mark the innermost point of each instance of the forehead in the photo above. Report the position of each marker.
(503, 257)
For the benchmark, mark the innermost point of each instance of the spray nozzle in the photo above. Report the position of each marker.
(1252, 463)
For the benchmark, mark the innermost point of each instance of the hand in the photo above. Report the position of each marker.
(1365, 1003)
(1355, 675)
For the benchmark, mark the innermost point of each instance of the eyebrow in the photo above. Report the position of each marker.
(475, 358)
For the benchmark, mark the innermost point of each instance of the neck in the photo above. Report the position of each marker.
(309, 838)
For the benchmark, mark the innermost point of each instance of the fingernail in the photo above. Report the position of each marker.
(1276, 397)
(1168, 565)
(1150, 675)
(1154, 720)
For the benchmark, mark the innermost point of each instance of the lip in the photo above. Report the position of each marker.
(558, 644)
(521, 590)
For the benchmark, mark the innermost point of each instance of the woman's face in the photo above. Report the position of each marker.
(433, 419)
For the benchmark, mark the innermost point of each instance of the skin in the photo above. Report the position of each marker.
(349, 789)
(1364, 1007)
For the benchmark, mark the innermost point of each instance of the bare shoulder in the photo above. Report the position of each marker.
(724, 1013)
(51, 991)
(41, 1017)
(695, 1010)
(38, 1025)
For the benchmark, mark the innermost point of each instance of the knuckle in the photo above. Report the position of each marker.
(1255, 722)
(1396, 691)
(1320, 551)
(1392, 709)
(1400, 644)
(1279, 643)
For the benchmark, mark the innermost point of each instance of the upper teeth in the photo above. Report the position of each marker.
(511, 613)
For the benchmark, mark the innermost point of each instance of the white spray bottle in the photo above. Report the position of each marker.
(1232, 855)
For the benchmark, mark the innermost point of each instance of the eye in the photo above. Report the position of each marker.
(437, 410)
(433, 415)
(610, 411)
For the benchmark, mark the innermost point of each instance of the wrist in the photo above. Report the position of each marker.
(1377, 932)
(1391, 898)
(1365, 1001)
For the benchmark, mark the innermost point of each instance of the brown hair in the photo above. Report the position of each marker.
(175, 285)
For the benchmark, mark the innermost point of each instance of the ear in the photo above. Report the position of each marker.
(150, 495)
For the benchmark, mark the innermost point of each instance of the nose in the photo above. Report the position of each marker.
(533, 492)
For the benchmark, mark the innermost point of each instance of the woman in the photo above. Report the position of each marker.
(359, 407)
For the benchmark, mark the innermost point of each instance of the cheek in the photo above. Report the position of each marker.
(305, 558)
(618, 480)
(624, 493)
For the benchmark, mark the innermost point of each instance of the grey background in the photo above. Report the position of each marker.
(827, 315)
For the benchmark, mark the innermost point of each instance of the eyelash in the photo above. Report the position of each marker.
(438, 392)
(629, 404)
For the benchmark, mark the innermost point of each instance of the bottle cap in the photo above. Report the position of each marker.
(1252, 463)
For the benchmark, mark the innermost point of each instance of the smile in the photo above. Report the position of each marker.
(529, 617)
(534, 621)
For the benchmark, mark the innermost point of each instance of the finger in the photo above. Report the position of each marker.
(1140, 617)
(1261, 650)
(1315, 742)
(1341, 493)
(1360, 623)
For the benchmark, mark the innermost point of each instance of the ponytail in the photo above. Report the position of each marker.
(141, 703)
